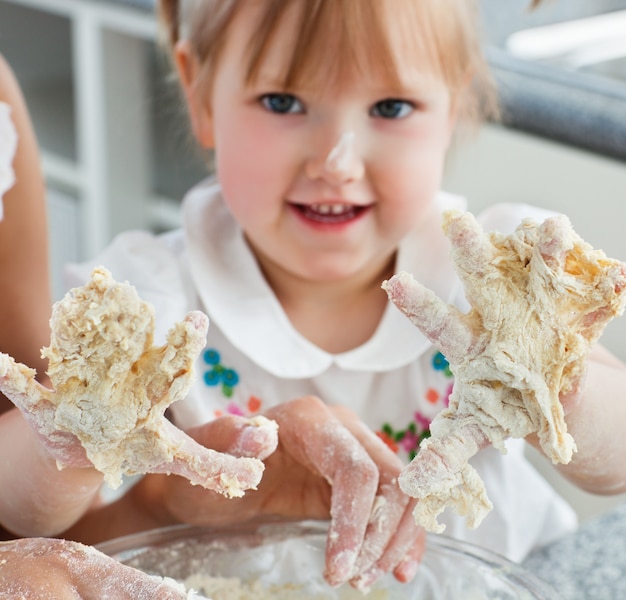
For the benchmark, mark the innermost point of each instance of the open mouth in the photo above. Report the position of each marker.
(330, 213)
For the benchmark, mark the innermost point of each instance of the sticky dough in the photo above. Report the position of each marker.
(112, 387)
(540, 298)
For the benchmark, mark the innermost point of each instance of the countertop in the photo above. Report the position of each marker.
(589, 564)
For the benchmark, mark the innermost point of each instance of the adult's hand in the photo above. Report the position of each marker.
(49, 568)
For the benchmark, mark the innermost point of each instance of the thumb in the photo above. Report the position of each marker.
(255, 437)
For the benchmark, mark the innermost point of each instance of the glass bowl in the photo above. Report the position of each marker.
(285, 560)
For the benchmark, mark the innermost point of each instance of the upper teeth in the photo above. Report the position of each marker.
(331, 209)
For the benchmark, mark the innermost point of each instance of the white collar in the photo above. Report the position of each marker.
(239, 301)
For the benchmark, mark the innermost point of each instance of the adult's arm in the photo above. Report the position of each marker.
(37, 498)
(25, 297)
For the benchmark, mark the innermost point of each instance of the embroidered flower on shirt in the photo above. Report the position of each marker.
(409, 438)
(219, 374)
(253, 406)
(228, 379)
(440, 363)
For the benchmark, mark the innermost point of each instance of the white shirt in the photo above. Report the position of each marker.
(8, 145)
(396, 382)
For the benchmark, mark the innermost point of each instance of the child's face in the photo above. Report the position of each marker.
(320, 219)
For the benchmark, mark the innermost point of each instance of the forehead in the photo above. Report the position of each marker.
(315, 43)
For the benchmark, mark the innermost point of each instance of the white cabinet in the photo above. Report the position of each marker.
(114, 137)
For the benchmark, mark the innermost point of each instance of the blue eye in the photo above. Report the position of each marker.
(391, 108)
(282, 104)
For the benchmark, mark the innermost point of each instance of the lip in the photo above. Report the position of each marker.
(329, 214)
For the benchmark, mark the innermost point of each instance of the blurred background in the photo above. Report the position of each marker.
(117, 153)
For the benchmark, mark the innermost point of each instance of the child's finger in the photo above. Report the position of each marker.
(18, 384)
(402, 555)
(473, 252)
(240, 436)
(406, 549)
(390, 502)
(440, 322)
(216, 471)
(319, 441)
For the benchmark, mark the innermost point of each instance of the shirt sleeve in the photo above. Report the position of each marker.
(8, 146)
(505, 217)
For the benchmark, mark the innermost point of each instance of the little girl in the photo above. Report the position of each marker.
(330, 121)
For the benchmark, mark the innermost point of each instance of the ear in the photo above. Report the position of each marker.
(198, 108)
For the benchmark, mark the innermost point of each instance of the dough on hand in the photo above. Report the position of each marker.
(540, 298)
(112, 387)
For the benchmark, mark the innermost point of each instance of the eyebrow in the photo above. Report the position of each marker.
(278, 83)
(265, 80)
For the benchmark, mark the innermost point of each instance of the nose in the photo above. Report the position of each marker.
(342, 164)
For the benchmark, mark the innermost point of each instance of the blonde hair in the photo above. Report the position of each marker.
(448, 33)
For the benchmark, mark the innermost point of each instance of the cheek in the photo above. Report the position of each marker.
(246, 165)
(256, 162)
(415, 152)
(413, 175)
(409, 179)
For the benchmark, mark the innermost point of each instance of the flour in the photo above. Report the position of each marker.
(540, 298)
(234, 588)
(112, 386)
(286, 562)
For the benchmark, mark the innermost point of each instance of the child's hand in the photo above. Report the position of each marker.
(220, 472)
(540, 299)
(112, 387)
(327, 464)
(392, 542)
(340, 466)
(42, 568)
